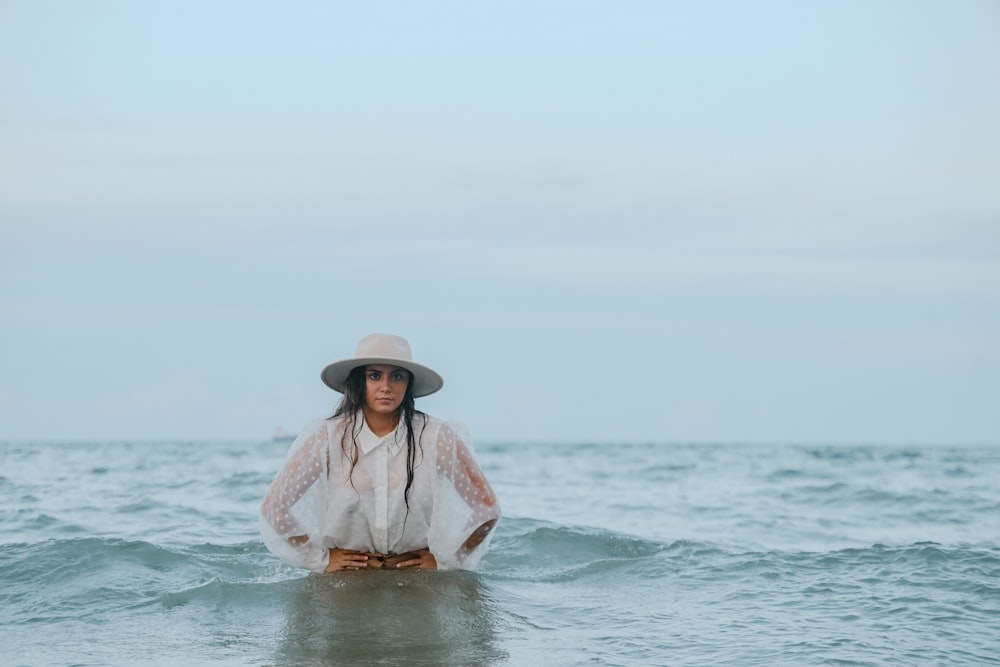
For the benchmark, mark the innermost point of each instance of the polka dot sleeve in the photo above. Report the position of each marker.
(293, 510)
(466, 509)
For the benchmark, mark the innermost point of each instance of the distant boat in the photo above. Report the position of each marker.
(281, 435)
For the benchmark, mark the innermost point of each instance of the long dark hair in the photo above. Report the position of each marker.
(353, 403)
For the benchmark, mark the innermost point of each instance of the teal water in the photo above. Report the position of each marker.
(147, 553)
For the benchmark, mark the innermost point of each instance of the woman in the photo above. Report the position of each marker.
(379, 484)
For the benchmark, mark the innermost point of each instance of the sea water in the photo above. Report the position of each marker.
(147, 553)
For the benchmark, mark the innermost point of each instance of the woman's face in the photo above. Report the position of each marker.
(385, 388)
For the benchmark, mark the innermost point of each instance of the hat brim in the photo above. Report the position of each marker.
(425, 380)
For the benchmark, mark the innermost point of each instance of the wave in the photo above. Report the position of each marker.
(533, 550)
(80, 576)
(72, 578)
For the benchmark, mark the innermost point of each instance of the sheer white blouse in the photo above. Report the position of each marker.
(317, 502)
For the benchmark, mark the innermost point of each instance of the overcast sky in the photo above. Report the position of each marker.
(600, 221)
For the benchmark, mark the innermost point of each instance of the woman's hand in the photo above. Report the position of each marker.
(346, 559)
(423, 560)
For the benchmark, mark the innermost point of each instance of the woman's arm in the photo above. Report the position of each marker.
(477, 537)
(282, 525)
(477, 492)
(300, 471)
(479, 495)
(459, 466)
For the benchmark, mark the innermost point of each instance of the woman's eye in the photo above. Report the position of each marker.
(398, 377)
(373, 375)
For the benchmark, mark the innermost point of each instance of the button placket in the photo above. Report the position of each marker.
(382, 498)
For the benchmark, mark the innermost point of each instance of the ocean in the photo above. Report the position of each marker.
(147, 553)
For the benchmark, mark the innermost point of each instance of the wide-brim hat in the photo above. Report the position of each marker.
(380, 348)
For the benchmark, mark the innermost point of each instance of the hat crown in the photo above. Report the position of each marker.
(384, 345)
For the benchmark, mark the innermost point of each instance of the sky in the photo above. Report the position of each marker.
(602, 222)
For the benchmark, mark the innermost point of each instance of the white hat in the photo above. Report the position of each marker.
(379, 348)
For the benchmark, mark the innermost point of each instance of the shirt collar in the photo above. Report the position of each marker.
(368, 441)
